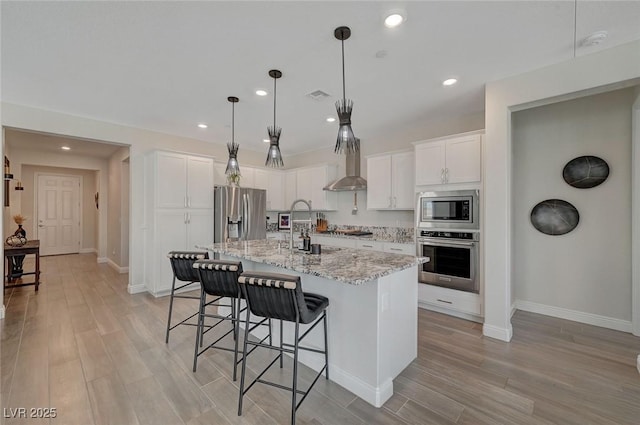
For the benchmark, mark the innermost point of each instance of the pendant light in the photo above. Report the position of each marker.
(274, 157)
(233, 168)
(346, 141)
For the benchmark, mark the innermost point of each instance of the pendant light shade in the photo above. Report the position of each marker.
(346, 141)
(274, 157)
(233, 168)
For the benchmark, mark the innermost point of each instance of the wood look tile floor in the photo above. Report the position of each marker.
(86, 347)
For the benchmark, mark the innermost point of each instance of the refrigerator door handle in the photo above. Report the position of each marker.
(249, 216)
(245, 216)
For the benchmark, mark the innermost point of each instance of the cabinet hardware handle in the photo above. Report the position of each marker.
(395, 249)
(442, 175)
(185, 218)
(395, 202)
(189, 201)
(367, 246)
(443, 301)
(446, 175)
(185, 201)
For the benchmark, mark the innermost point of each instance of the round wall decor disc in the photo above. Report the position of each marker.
(554, 217)
(585, 172)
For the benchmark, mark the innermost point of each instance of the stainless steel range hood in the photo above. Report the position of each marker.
(352, 181)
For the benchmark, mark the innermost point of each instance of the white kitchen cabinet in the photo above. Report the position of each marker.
(220, 177)
(369, 245)
(275, 191)
(309, 186)
(290, 188)
(260, 179)
(399, 248)
(175, 222)
(390, 183)
(450, 301)
(248, 176)
(450, 160)
(183, 181)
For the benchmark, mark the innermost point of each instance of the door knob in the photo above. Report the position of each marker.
(40, 225)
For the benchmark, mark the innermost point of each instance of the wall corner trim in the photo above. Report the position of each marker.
(2, 310)
(495, 332)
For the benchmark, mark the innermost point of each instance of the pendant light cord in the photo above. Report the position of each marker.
(233, 122)
(344, 96)
(274, 102)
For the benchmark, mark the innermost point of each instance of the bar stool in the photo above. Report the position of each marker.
(280, 296)
(219, 279)
(182, 266)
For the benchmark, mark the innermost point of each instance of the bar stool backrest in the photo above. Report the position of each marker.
(218, 277)
(276, 296)
(182, 264)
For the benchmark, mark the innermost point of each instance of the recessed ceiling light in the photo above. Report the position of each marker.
(393, 20)
(330, 119)
(202, 125)
(449, 82)
(65, 148)
(261, 92)
(265, 140)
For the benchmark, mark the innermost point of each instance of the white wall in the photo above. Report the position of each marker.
(589, 269)
(115, 207)
(583, 75)
(88, 209)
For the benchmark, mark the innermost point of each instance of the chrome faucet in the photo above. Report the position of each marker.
(293, 205)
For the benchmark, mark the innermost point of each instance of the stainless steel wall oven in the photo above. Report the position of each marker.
(453, 259)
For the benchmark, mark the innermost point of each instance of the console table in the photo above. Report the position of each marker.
(12, 254)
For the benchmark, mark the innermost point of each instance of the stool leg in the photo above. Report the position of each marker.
(326, 346)
(199, 328)
(203, 301)
(233, 315)
(244, 358)
(281, 340)
(236, 332)
(173, 286)
(295, 375)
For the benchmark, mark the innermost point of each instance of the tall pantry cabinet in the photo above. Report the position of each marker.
(179, 211)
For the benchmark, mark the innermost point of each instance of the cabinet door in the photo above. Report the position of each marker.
(402, 180)
(429, 162)
(290, 188)
(379, 183)
(199, 182)
(303, 189)
(275, 191)
(318, 182)
(171, 180)
(261, 179)
(220, 178)
(199, 228)
(400, 248)
(170, 235)
(248, 176)
(463, 160)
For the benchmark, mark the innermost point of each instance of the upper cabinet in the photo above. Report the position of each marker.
(390, 182)
(183, 181)
(450, 160)
(309, 186)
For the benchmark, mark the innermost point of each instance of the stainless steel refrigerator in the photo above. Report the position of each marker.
(240, 214)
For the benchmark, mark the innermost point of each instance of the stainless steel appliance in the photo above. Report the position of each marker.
(448, 210)
(240, 214)
(453, 259)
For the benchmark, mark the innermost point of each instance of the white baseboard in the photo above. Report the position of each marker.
(2, 314)
(136, 289)
(102, 260)
(116, 267)
(88, 251)
(165, 292)
(496, 332)
(576, 316)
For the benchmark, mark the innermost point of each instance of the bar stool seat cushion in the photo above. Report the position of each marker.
(278, 304)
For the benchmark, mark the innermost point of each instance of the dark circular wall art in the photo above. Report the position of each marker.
(585, 172)
(554, 217)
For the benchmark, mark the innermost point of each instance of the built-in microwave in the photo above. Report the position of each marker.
(448, 210)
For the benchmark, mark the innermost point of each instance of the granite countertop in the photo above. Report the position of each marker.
(348, 265)
(376, 238)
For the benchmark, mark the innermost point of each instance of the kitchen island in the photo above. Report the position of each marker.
(372, 315)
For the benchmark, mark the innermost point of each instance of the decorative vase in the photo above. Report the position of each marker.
(18, 260)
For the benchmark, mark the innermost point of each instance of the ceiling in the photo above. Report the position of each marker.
(167, 66)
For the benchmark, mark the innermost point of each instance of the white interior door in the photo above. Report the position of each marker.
(58, 214)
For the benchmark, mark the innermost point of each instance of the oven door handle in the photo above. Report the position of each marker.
(445, 244)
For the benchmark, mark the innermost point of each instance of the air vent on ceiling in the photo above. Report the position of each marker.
(318, 95)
